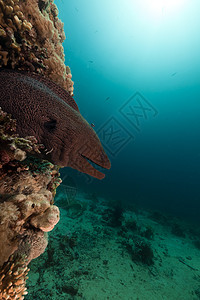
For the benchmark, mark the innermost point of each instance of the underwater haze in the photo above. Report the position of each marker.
(136, 69)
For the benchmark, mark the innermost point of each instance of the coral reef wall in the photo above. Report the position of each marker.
(27, 189)
(31, 37)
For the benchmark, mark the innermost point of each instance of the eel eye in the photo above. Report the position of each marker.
(50, 125)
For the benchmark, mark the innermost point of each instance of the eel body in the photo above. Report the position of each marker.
(45, 110)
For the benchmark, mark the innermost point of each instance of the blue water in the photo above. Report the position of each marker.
(140, 53)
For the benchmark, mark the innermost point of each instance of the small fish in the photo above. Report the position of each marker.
(173, 74)
(107, 98)
(90, 61)
(92, 124)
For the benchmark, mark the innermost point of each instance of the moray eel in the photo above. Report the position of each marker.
(45, 110)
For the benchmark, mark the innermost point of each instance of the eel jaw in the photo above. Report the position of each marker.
(82, 164)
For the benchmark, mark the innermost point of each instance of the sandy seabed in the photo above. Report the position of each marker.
(96, 252)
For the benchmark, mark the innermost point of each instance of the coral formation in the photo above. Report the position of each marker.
(147, 232)
(12, 146)
(13, 277)
(31, 37)
(142, 252)
(27, 189)
(47, 220)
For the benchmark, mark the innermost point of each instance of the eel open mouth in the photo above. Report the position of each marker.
(86, 164)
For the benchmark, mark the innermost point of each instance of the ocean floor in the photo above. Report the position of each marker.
(101, 250)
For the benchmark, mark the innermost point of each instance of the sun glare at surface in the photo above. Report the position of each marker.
(157, 9)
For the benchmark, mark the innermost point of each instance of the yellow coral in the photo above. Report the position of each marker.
(13, 276)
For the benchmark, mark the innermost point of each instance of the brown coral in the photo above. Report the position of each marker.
(31, 37)
(47, 220)
(25, 196)
(27, 189)
(11, 145)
